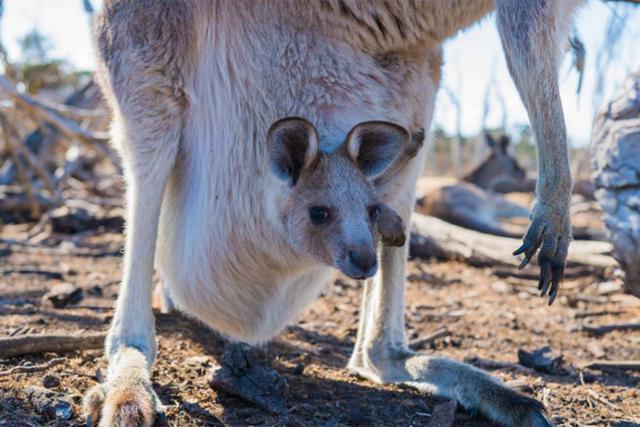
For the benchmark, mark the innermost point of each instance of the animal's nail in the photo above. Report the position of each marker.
(520, 250)
(524, 263)
(545, 287)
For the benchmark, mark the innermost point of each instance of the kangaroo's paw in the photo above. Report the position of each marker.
(503, 405)
(475, 390)
(550, 232)
(127, 399)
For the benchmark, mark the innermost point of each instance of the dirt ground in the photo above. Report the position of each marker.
(489, 314)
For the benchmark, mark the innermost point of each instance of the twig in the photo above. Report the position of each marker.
(604, 329)
(42, 248)
(13, 139)
(498, 364)
(55, 275)
(440, 333)
(34, 102)
(34, 207)
(33, 368)
(585, 314)
(67, 127)
(622, 365)
(36, 344)
(601, 399)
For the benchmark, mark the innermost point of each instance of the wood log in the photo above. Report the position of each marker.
(432, 237)
(36, 344)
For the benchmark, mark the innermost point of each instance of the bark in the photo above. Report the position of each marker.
(615, 153)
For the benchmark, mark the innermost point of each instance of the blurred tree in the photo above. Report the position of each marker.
(38, 69)
(35, 47)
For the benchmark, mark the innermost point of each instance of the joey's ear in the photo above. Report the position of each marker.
(293, 146)
(374, 146)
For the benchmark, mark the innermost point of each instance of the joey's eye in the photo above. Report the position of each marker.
(374, 212)
(318, 215)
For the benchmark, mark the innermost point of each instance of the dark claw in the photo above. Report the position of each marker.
(554, 293)
(89, 421)
(524, 263)
(558, 274)
(545, 277)
(520, 250)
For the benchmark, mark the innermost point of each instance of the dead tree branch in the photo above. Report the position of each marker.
(33, 368)
(36, 344)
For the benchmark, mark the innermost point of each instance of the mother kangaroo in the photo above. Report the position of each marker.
(244, 221)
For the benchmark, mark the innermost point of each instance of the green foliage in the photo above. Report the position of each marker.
(38, 69)
(35, 47)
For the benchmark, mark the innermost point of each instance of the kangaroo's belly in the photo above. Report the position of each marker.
(222, 249)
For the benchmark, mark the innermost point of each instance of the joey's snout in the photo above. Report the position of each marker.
(360, 261)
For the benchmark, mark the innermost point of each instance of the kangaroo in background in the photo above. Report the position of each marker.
(245, 226)
(499, 168)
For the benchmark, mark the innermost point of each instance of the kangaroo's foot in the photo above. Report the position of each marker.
(475, 390)
(127, 398)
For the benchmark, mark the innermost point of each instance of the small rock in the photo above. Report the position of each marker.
(51, 381)
(500, 287)
(197, 361)
(539, 361)
(95, 291)
(298, 369)
(63, 295)
(49, 404)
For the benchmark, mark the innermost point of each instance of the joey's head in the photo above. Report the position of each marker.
(331, 210)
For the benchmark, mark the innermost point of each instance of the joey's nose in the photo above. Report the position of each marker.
(364, 260)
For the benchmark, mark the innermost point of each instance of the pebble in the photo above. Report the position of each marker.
(51, 381)
(63, 295)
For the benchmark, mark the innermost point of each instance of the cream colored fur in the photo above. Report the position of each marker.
(195, 85)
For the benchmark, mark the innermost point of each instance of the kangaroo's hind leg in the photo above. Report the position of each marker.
(144, 90)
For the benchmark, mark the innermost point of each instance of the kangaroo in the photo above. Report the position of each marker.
(499, 168)
(245, 225)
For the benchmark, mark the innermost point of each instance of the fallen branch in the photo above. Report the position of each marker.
(36, 344)
(622, 365)
(422, 342)
(12, 138)
(67, 127)
(605, 329)
(33, 368)
(489, 364)
(569, 273)
(34, 102)
(585, 314)
(433, 237)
